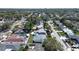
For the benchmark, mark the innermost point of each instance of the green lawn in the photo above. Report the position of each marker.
(61, 33)
(30, 39)
(49, 37)
(57, 29)
(77, 33)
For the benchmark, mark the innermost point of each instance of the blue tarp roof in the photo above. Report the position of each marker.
(77, 39)
(39, 38)
(39, 35)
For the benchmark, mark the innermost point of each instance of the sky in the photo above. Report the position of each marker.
(39, 3)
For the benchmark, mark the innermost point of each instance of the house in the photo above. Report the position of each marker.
(76, 38)
(8, 47)
(12, 42)
(20, 32)
(63, 38)
(40, 24)
(14, 39)
(69, 32)
(1, 21)
(41, 31)
(40, 36)
(65, 29)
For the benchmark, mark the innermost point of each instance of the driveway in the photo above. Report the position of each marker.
(37, 47)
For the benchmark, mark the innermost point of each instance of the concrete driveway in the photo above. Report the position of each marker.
(37, 47)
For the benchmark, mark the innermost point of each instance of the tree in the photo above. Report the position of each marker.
(52, 45)
(5, 26)
(26, 48)
(23, 48)
(29, 26)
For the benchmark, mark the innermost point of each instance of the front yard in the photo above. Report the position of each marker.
(30, 39)
(77, 33)
(57, 29)
(61, 34)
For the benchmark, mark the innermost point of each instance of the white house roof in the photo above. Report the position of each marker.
(28, 34)
(63, 38)
(41, 31)
(68, 31)
(32, 33)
